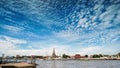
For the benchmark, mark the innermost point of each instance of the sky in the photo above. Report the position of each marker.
(35, 27)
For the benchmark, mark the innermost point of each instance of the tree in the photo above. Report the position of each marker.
(65, 56)
(86, 56)
(96, 56)
(100, 55)
(118, 54)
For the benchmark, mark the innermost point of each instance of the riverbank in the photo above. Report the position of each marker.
(83, 59)
(99, 58)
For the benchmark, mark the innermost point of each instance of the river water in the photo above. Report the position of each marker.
(78, 63)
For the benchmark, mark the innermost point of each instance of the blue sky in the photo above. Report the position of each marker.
(35, 27)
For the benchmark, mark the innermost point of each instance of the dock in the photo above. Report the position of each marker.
(18, 65)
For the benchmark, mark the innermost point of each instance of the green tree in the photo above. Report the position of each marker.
(96, 56)
(65, 56)
(100, 55)
(118, 54)
(86, 56)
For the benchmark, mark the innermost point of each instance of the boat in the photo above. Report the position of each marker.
(18, 65)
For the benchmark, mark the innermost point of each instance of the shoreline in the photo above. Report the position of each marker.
(86, 59)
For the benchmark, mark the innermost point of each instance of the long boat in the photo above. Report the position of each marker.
(18, 65)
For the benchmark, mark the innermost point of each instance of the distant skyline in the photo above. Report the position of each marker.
(35, 27)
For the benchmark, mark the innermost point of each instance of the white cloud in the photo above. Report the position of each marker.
(10, 48)
(108, 49)
(91, 50)
(82, 21)
(13, 40)
(116, 1)
(12, 28)
(98, 8)
(8, 43)
(5, 45)
(109, 15)
(67, 35)
(46, 51)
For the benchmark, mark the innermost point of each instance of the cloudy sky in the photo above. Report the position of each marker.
(35, 27)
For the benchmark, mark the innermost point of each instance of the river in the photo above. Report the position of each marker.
(78, 63)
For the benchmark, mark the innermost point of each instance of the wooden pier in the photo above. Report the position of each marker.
(18, 65)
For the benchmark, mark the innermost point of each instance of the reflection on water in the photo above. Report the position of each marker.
(78, 64)
(53, 64)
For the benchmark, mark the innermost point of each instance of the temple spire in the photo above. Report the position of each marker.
(53, 54)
